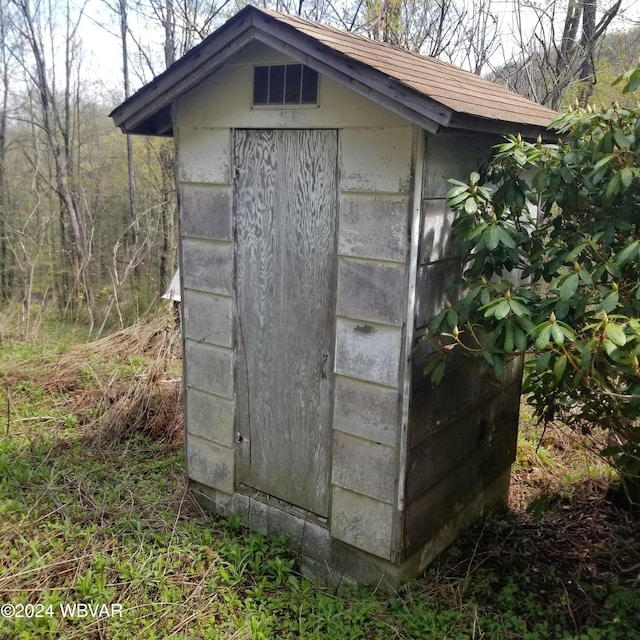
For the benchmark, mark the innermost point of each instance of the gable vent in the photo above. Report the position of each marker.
(284, 84)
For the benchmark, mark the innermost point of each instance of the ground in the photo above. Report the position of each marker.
(94, 511)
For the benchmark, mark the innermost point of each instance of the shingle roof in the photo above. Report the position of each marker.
(459, 90)
(431, 93)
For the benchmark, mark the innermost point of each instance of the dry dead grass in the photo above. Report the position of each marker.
(129, 381)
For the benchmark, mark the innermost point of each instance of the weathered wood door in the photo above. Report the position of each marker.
(285, 205)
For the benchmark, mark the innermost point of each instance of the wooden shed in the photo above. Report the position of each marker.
(315, 246)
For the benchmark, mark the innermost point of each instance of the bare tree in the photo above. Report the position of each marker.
(556, 45)
(54, 118)
(5, 256)
(124, 35)
(461, 32)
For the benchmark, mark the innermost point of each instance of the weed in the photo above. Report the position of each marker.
(89, 520)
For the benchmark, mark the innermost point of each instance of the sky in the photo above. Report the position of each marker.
(103, 57)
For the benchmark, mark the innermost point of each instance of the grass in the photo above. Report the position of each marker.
(97, 514)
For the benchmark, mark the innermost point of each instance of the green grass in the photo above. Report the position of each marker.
(87, 520)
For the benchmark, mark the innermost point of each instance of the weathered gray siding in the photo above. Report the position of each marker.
(462, 434)
(374, 183)
(376, 166)
(207, 299)
(391, 491)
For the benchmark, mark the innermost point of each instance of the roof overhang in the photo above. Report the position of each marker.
(149, 111)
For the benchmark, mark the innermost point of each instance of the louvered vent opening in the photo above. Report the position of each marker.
(284, 84)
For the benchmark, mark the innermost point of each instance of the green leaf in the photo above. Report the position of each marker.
(609, 347)
(613, 188)
(438, 373)
(502, 310)
(520, 156)
(456, 191)
(455, 201)
(621, 140)
(616, 334)
(628, 253)
(491, 237)
(452, 318)
(633, 85)
(585, 276)
(610, 302)
(540, 180)
(602, 162)
(566, 174)
(520, 339)
(598, 176)
(569, 286)
(557, 334)
(543, 338)
(432, 363)
(517, 308)
(559, 367)
(505, 238)
(542, 361)
(613, 269)
(509, 340)
(626, 176)
(562, 309)
(526, 325)
(470, 206)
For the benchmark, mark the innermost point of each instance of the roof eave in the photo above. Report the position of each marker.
(134, 114)
(461, 123)
(149, 111)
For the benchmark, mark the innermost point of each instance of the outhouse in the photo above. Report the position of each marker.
(315, 246)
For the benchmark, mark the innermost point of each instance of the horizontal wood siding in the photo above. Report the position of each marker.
(366, 410)
(447, 449)
(207, 299)
(209, 368)
(364, 466)
(203, 153)
(371, 290)
(207, 318)
(206, 211)
(208, 265)
(462, 433)
(377, 160)
(375, 170)
(211, 464)
(363, 522)
(373, 226)
(211, 416)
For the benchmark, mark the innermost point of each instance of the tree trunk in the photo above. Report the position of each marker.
(5, 279)
(133, 218)
(56, 127)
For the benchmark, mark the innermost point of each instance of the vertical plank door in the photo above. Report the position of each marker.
(285, 220)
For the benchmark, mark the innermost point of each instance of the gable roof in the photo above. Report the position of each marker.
(426, 91)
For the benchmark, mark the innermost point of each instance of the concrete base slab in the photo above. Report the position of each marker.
(330, 561)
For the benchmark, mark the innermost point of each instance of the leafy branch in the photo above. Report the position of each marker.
(551, 240)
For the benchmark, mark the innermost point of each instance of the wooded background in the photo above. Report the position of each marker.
(88, 216)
